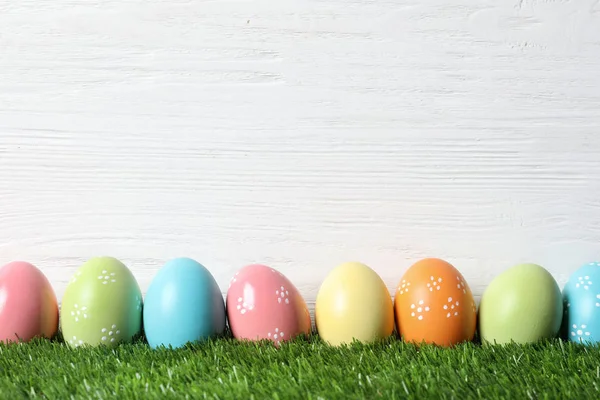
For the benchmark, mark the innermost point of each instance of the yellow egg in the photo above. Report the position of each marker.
(353, 303)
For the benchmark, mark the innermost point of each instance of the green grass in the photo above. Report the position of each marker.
(303, 369)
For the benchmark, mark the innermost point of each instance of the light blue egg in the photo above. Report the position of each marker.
(183, 305)
(581, 300)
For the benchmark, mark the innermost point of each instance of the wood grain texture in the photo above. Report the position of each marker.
(300, 134)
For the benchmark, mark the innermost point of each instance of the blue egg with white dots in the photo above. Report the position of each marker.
(183, 304)
(581, 301)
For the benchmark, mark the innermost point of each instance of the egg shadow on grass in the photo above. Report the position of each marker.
(477, 336)
(58, 337)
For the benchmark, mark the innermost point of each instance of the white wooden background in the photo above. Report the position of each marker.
(300, 134)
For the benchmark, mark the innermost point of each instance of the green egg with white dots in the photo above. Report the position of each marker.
(102, 305)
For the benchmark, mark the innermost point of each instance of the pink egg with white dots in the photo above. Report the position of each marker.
(263, 304)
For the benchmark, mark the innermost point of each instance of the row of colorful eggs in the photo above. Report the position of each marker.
(103, 304)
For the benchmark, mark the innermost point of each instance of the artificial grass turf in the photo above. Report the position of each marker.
(305, 368)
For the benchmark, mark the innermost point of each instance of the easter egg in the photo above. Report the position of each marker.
(28, 304)
(581, 303)
(434, 305)
(522, 305)
(101, 305)
(353, 304)
(262, 304)
(183, 305)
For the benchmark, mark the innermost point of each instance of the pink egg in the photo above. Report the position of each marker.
(28, 305)
(263, 304)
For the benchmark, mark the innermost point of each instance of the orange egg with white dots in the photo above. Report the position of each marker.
(434, 305)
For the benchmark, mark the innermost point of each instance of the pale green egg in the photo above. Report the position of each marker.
(522, 305)
(102, 304)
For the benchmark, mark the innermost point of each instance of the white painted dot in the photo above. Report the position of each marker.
(84, 315)
(572, 333)
(269, 334)
(282, 288)
(112, 339)
(287, 301)
(452, 306)
(76, 319)
(458, 286)
(412, 306)
(118, 332)
(244, 304)
(431, 277)
(586, 287)
(439, 279)
(104, 283)
(457, 303)
(429, 285)
(412, 314)
(574, 326)
(426, 308)
(110, 333)
(287, 293)
(114, 326)
(279, 300)
(73, 313)
(239, 299)
(277, 292)
(456, 313)
(579, 332)
(420, 317)
(113, 280)
(583, 326)
(586, 277)
(438, 288)
(445, 307)
(239, 307)
(419, 309)
(420, 301)
(449, 299)
(243, 311)
(103, 337)
(448, 315)
(280, 334)
(103, 330)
